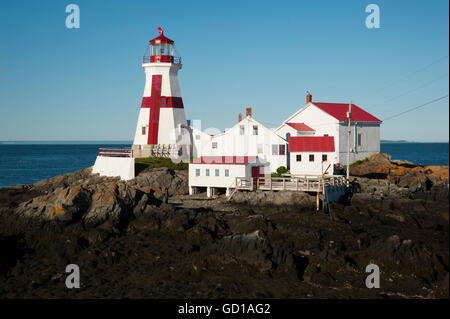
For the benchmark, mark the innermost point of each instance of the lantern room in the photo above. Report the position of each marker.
(161, 50)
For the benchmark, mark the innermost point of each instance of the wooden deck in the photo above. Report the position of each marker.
(293, 183)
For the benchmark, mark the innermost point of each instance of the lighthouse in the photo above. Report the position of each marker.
(161, 129)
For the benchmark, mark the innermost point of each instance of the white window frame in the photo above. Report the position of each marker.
(260, 148)
(241, 129)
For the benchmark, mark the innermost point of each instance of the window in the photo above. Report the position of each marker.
(359, 139)
(241, 129)
(299, 158)
(216, 172)
(227, 172)
(214, 144)
(197, 137)
(197, 172)
(282, 149)
(144, 129)
(274, 149)
(260, 148)
(325, 134)
(311, 157)
(324, 158)
(255, 129)
(207, 172)
(163, 101)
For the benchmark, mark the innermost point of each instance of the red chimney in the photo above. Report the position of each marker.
(308, 97)
(248, 111)
(240, 117)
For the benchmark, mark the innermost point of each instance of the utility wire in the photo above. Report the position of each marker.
(415, 89)
(407, 76)
(417, 107)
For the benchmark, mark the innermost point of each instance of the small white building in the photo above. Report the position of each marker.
(220, 172)
(312, 155)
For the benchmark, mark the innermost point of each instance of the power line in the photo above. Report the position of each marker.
(415, 89)
(407, 76)
(416, 107)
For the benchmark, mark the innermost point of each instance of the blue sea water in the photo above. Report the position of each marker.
(28, 163)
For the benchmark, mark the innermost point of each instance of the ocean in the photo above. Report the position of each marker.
(22, 163)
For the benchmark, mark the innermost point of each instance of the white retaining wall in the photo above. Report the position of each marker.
(115, 166)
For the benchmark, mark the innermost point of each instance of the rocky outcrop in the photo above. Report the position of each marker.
(147, 238)
(271, 198)
(398, 176)
(90, 200)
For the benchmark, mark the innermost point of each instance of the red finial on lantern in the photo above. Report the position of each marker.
(160, 30)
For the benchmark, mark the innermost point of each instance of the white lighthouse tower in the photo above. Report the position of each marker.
(161, 128)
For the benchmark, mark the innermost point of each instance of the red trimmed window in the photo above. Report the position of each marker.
(324, 158)
(299, 158)
(163, 101)
(311, 157)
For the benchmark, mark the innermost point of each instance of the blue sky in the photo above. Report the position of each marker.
(87, 84)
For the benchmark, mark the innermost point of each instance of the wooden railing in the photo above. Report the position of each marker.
(294, 183)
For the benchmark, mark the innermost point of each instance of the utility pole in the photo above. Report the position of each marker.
(349, 117)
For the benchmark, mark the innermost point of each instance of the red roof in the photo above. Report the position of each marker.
(161, 38)
(339, 111)
(311, 144)
(230, 160)
(301, 127)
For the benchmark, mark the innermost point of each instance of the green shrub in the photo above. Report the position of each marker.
(359, 162)
(280, 170)
(146, 163)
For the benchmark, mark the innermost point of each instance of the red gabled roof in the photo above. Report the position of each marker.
(311, 144)
(339, 111)
(301, 127)
(230, 160)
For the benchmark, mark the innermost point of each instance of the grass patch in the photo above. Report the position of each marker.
(145, 163)
(359, 162)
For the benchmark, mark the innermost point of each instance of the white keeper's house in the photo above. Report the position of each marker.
(312, 141)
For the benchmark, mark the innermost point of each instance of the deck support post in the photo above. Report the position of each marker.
(317, 201)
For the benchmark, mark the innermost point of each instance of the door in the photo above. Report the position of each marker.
(256, 172)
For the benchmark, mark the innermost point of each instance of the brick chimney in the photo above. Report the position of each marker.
(308, 97)
(248, 111)
(240, 117)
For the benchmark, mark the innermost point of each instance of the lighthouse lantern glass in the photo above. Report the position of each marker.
(161, 49)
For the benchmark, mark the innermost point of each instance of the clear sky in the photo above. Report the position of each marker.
(87, 83)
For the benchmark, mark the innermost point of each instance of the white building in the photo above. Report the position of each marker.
(220, 172)
(247, 138)
(309, 142)
(317, 119)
